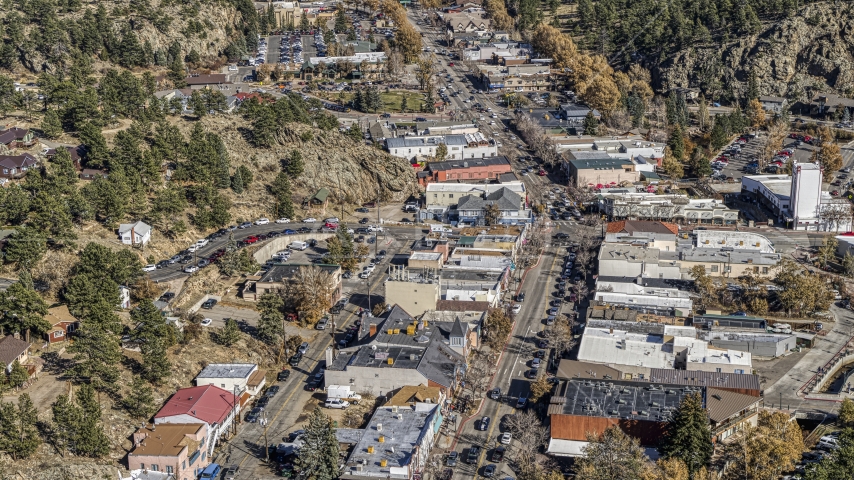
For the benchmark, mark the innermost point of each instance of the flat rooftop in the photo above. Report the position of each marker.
(608, 398)
(227, 370)
(393, 435)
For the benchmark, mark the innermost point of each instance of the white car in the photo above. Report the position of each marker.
(336, 403)
(191, 269)
(365, 274)
(517, 308)
(370, 268)
(207, 322)
(373, 228)
(506, 438)
(192, 248)
(262, 221)
(149, 268)
(201, 243)
(283, 220)
(232, 68)
(309, 220)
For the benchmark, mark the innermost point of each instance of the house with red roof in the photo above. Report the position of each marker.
(215, 407)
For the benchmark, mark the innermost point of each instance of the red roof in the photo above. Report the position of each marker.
(208, 403)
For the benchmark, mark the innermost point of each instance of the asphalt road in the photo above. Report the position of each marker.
(538, 285)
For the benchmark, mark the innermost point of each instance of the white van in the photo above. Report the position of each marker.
(298, 246)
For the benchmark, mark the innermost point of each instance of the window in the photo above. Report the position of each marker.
(718, 370)
(739, 371)
(221, 385)
(169, 469)
(450, 195)
(155, 467)
(765, 270)
(714, 269)
(142, 466)
(183, 464)
(57, 334)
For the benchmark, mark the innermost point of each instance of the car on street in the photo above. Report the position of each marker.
(532, 373)
(309, 220)
(523, 401)
(283, 220)
(451, 459)
(206, 322)
(272, 391)
(516, 309)
(167, 297)
(495, 393)
(302, 348)
(506, 438)
(489, 470)
(209, 303)
(322, 324)
(283, 375)
(295, 359)
(262, 221)
(245, 225)
(474, 453)
(149, 268)
(191, 269)
(253, 415)
(231, 473)
(484, 424)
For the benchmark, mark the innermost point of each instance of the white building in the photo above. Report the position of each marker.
(138, 233)
(621, 203)
(459, 147)
(798, 201)
(369, 57)
(234, 377)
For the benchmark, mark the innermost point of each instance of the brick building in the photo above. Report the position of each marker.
(482, 169)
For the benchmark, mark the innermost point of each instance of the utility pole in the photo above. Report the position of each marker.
(376, 231)
(266, 444)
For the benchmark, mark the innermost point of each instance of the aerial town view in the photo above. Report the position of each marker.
(426, 240)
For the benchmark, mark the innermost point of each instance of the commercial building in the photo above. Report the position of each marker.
(797, 201)
(442, 199)
(645, 294)
(395, 350)
(474, 285)
(238, 378)
(515, 78)
(650, 345)
(654, 234)
(396, 444)
(478, 169)
(598, 168)
(175, 449)
(506, 206)
(449, 194)
(278, 276)
(768, 345)
(415, 291)
(621, 203)
(459, 147)
(435, 127)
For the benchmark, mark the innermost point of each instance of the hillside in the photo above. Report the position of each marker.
(48, 35)
(795, 57)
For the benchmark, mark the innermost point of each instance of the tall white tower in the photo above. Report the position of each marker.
(805, 197)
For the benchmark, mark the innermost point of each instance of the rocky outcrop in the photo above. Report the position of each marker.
(64, 471)
(352, 172)
(795, 58)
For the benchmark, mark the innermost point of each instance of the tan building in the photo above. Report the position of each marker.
(516, 78)
(415, 291)
(173, 448)
(421, 260)
(599, 168)
(279, 275)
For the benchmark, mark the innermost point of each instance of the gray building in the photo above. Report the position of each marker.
(770, 345)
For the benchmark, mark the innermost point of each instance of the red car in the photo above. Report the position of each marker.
(331, 226)
(451, 64)
(541, 173)
(807, 138)
(251, 240)
(835, 193)
(793, 135)
(784, 153)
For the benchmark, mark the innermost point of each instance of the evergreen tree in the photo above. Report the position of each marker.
(752, 87)
(15, 204)
(246, 175)
(51, 125)
(139, 401)
(96, 152)
(688, 435)
(230, 333)
(319, 453)
(342, 22)
(197, 104)
(97, 354)
(677, 143)
(720, 132)
(237, 182)
(23, 309)
(359, 101)
(591, 125)
(295, 165)
(66, 420)
(90, 439)
(155, 366)
(271, 307)
(355, 133)
(229, 263)
(264, 127)
(19, 375)
(281, 190)
(177, 74)
(23, 439)
(26, 247)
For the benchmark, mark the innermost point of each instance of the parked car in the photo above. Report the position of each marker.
(283, 375)
(474, 453)
(209, 303)
(451, 459)
(489, 470)
(149, 268)
(309, 220)
(322, 324)
(295, 359)
(506, 438)
(272, 391)
(484, 424)
(336, 403)
(191, 269)
(206, 322)
(253, 415)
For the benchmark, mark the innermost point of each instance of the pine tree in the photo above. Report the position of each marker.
(359, 100)
(237, 182)
(752, 87)
(246, 175)
(24, 438)
(677, 143)
(270, 324)
(295, 165)
(97, 354)
(139, 401)
(319, 453)
(591, 125)
(51, 125)
(281, 190)
(90, 439)
(155, 366)
(230, 333)
(264, 127)
(688, 435)
(96, 154)
(197, 104)
(23, 308)
(177, 74)
(720, 132)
